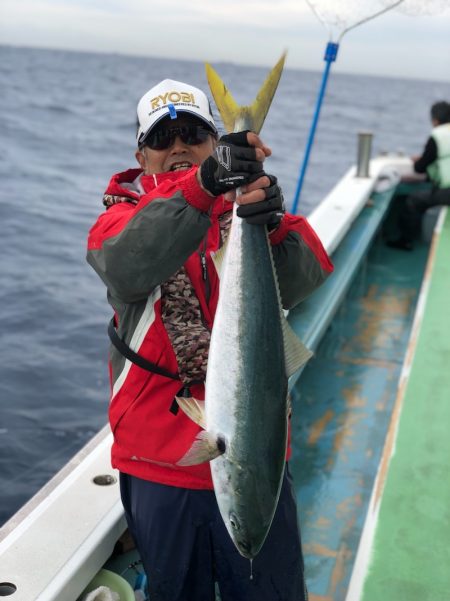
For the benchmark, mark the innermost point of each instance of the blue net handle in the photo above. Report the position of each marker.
(329, 57)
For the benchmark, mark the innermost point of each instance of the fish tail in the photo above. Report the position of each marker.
(253, 115)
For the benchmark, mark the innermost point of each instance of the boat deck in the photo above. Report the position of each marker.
(346, 402)
(408, 555)
(342, 409)
(343, 406)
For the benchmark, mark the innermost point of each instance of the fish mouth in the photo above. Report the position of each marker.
(181, 166)
(246, 550)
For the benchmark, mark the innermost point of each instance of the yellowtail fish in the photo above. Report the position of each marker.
(253, 352)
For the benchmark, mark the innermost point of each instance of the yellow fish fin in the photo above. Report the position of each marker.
(235, 117)
(295, 352)
(193, 408)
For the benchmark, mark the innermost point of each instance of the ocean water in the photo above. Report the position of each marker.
(66, 125)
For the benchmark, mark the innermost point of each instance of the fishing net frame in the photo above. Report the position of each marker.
(329, 17)
(326, 14)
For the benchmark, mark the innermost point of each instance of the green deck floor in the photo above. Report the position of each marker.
(410, 557)
(342, 406)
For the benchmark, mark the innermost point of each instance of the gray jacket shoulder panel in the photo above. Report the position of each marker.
(298, 269)
(153, 244)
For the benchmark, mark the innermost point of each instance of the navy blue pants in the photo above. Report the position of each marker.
(185, 547)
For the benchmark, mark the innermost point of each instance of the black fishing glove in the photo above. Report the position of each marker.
(232, 164)
(269, 211)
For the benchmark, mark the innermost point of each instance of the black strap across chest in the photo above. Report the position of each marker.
(128, 353)
(140, 361)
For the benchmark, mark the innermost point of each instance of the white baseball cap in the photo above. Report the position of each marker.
(168, 98)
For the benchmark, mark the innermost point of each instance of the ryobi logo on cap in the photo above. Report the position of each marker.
(173, 97)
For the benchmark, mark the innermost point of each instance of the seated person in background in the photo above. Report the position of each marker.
(435, 163)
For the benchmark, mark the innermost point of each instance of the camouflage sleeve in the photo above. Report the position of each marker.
(301, 261)
(135, 248)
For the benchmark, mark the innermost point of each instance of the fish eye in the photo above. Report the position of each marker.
(234, 521)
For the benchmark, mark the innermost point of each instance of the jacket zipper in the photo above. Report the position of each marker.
(204, 266)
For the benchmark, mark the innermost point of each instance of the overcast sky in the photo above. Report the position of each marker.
(252, 32)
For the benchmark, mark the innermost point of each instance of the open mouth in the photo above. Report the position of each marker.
(180, 166)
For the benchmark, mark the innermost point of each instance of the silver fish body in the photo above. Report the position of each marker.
(252, 354)
(246, 389)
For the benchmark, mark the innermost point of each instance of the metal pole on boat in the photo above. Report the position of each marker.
(330, 56)
(364, 153)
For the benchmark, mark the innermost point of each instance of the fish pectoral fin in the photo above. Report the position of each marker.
(295, 352)
(218, 258)
(206, 447)
(193, 408)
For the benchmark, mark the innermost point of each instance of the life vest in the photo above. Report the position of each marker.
(439, 171)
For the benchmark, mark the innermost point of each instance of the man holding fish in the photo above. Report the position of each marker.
(159, 249)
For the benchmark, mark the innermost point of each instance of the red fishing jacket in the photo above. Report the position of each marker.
(152, 249)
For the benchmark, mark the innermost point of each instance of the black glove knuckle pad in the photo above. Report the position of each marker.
(232, 164)
(238, 138)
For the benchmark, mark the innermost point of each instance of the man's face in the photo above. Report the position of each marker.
(179, 155)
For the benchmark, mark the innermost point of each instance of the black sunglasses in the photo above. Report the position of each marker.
(189, 134)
